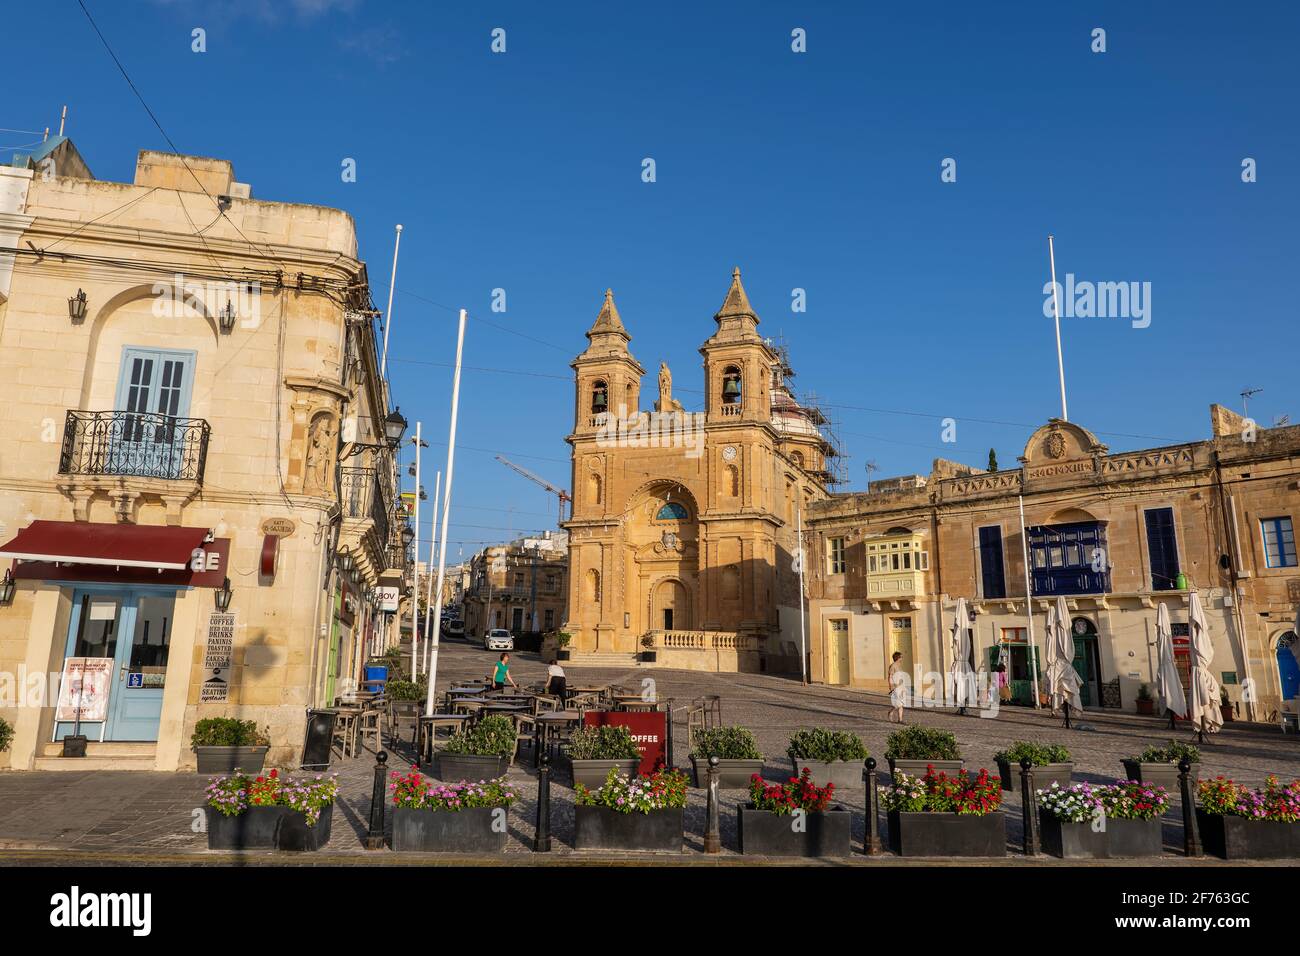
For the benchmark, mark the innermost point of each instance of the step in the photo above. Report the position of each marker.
(86, 763)
(602, 660)
(109, 748)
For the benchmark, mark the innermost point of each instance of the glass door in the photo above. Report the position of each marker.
(153, 392)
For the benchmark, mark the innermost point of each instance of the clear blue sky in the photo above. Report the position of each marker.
(818, 170)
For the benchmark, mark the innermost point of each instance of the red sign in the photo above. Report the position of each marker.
(649, 730)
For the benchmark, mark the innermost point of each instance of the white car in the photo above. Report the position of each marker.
(499, 639)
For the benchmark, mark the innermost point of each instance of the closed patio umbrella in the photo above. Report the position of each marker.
(1062, 680)
(1168, 687)
(1204, 710)
(960, 672)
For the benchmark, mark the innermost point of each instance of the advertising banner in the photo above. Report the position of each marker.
(83, 692)
(217, 655)
(650, 731)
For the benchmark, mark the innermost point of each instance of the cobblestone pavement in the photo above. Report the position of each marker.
(115, 817)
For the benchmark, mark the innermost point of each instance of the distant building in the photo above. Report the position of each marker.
(521, 586)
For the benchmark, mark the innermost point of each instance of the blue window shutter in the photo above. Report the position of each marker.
(992, 569)
(1162, 543)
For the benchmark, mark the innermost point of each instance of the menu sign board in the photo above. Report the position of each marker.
(649, 730)
(83, 692)
(217, 655)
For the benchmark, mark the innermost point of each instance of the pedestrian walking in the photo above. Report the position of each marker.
(897, 689)
(501, 674)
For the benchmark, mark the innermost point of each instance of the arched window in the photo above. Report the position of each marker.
(672, 511)
(593, 585)
(599, 396)
(593, 484)
(731, 385)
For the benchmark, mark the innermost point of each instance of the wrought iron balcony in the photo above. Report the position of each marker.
(134, 444)
(361, 495)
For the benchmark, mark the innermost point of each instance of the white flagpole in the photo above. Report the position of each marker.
(803, 638)
(446, 512)
(433, 544)
(388, 316)
(1029, 601)
(1056, 311)
(415, 566)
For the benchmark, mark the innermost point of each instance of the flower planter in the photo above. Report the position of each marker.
(1119, 838)
(845, 774)
(268, 828)
(733, 774)
(649, 657)
(763, 833)
(600, 828)
(1044, 776)
(562, 655)
(1146, 708)
(947, 834)
(224, 760)
(916, 768)
(450, 831)
(471, 767)
(1236, 838)
(1226, 711)
(1160, 775)
(592, 773)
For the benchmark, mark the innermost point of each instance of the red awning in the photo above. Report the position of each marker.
(112, 545)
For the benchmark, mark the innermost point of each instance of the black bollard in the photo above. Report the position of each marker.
(668, 744)
(871, 846)
(378, 800)
(542, 839)
(1030, 809)
(1191, 832)
(537, 745)
(712, 828)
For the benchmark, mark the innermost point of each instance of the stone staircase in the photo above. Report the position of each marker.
(99, 756)
(601, 659)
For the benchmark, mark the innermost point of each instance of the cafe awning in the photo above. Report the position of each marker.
(111, 545)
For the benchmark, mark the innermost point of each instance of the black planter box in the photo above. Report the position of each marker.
(600, 828)
(592, 773)
(268, 828)
(763, 833)
(1160, 775)
(562, 654)
(947, 834)
(916, 768)
(450, 831)
(845, 774)
(1044, 776)
(649, 657)
(1236, 838)
(469, 767)
(229, 759)
(733, 774)
(1119, 838)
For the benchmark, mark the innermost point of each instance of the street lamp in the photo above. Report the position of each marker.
(222, 596)
(7, 588)
(226, 318)
(408, 535)
(395, 427)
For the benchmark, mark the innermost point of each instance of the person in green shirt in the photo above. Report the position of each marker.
(501, 673)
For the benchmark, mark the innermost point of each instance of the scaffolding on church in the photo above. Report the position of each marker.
(804, 417)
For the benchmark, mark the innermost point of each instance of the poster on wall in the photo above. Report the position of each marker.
(83, 692)
(217, 655)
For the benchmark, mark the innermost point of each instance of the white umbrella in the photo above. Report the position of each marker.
(1204, 713)
(960, 671)
(1062, 679)
(1168, 687)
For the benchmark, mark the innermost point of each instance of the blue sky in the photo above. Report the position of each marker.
(818, 171)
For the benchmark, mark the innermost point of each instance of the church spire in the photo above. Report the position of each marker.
(608, 321)
(737, 302)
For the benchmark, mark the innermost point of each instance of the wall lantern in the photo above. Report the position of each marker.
(346, 561)
(77, 307)
(226, 318)
(223, 595)
(394, 427)
(408, 535)
(7, 588)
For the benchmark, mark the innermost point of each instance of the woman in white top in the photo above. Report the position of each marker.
(897, 678)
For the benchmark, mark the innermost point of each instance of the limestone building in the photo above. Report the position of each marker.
(1116, 533)
(521, 586)
(683, 527)
(193, 420)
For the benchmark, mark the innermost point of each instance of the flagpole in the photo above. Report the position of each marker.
(388, 315)
(803, 639)
(1029, 601)
(446, 512)
(1056, 311)
(415, 566)
(433, 544)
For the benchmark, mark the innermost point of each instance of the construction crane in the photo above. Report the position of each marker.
(560, 493)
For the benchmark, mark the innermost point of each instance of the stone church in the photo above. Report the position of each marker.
(682, 537)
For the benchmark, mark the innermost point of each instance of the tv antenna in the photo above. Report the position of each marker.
(1245, 399)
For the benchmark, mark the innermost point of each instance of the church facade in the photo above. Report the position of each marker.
(682, 537)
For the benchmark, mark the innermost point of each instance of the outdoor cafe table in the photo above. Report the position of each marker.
(637, 705)
(468, 691)
(549, 722)
(429, 725)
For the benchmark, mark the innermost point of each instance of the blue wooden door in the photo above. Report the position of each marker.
(133, 628)
(1288, 668)
(153, 391)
